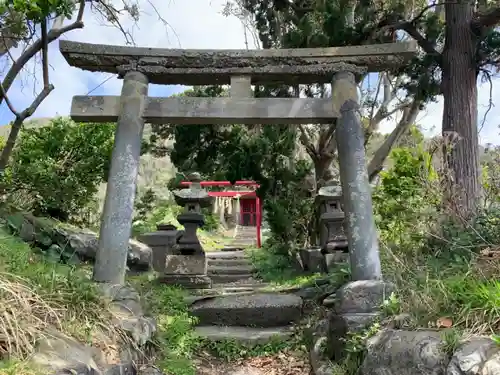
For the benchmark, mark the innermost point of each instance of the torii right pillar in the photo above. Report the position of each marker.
(360, 222)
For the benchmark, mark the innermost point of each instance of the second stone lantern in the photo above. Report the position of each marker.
(333, 240)
(188, 267)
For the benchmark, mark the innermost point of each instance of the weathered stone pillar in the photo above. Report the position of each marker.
(360, 222)
(116, 220)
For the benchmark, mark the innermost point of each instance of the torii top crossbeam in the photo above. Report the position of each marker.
(215, 67)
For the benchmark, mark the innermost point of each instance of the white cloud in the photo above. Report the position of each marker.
(191, 24)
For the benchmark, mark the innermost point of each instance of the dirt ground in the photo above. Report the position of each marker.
(285, 363)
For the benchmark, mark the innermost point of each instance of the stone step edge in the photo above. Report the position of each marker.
(219, 279)
(244, 335)
(225, 255)
(228, 262)
(232, 270)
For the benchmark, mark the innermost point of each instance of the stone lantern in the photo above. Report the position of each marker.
(333, 240)
(188, 266)
(163, 242)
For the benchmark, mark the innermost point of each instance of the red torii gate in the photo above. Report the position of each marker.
(252, 194)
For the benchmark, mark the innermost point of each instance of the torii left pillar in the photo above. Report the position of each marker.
(116, 221)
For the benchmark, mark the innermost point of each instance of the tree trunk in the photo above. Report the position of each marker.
(461, 159)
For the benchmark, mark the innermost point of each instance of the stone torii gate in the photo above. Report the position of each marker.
(240, 68)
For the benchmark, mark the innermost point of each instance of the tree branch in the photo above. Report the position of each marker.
(306, 142)
(17, 124)
(36, 47)
(410, 27)
(409, 118)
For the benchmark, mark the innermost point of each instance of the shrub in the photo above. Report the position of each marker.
(60, 166)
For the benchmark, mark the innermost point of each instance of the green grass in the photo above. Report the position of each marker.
(465, 290)
(276, 270)
(35, 294)
(176, 342)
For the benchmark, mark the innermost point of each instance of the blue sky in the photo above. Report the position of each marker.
(191, 24)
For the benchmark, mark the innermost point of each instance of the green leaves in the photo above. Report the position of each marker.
(38, 10)
(61, 165)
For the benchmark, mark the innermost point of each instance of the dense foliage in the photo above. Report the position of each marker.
(60, 166)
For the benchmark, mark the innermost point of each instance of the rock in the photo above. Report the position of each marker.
(45, 232)
(330, 301)
(121, 369)
(392, 352)
(85, 243)
(338, 328)
(53, 253)
(27, 232)
(476, 356)
(363, 296)
(64, 355)
(256, 310)
(244, 335)
(125, 304)
(317, 357)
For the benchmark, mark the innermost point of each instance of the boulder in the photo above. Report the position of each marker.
(125, 305)
(68, 244)
(61, 354)
(254, 310)
(84, 243)
(362, 296)
(395, 352)
(476, 356)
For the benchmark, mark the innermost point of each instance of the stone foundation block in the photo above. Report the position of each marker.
(338, 328)
(312, 260)
(186, 264)
(363, 296)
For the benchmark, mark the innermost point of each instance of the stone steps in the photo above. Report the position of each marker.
(262, 310)
(240, 310)
(231, 270)
(244, 335)
(218, 255)
(229, 262)
(228, 278)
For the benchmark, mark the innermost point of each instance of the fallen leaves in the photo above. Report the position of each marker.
(284, 363)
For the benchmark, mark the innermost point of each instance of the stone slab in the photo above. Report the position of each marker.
(186, 264)
(210, 67)
(187, 281)
(230, 270)
(222, 279)
(362, 296)
(226, 255)
(216, 111)
(228, 262)
(256, 310)
(244, 335)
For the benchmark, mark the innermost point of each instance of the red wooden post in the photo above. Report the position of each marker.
(258, 220)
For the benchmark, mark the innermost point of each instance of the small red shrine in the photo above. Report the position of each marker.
(250, 210)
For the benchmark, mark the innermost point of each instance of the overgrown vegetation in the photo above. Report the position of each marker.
(37, 295)
(57, 169)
